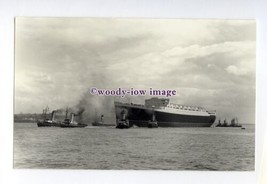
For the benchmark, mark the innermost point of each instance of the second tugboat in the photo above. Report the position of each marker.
(153, 123)
(123, 122)
(71, 123)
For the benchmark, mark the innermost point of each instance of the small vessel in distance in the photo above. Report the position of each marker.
(71, 123)
(48, 122)
(234, 123)
(101, 122)
(167, 114)
(224, 124)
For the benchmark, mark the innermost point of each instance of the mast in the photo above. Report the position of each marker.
(153, 114)
(45, 111)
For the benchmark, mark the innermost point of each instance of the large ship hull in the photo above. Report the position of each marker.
(140, 116)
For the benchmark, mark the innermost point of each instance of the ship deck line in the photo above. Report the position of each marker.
(166, 110)
(175, 111)
(167, 124)
(130, 105)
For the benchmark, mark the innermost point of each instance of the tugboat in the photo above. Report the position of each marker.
(48, 122)
(71, 123)
(153, 123)
(219, 123)
(225, 124)
(234, 123)
(123, 122)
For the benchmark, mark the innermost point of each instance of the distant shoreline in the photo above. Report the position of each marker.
(24, 121)
(27, 117)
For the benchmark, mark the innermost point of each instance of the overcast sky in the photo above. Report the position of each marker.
(210, 63)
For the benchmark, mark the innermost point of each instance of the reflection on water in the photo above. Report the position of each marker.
(134, 148)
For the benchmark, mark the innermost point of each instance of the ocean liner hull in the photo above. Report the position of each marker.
(140, 116)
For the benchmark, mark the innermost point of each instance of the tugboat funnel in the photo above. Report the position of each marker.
(72, 118)
(53, 116)
(123, 115)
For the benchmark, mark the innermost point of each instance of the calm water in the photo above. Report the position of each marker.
(134, 148)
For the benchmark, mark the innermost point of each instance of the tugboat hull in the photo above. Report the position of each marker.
(153, 124)
(121, 124)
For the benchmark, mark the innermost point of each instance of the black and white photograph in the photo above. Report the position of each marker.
(134, 94)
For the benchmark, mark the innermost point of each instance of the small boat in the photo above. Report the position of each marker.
(224, 124)
(219, 123)
(123, 122)
(48, 122)
(153, 123)
(71, 123)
